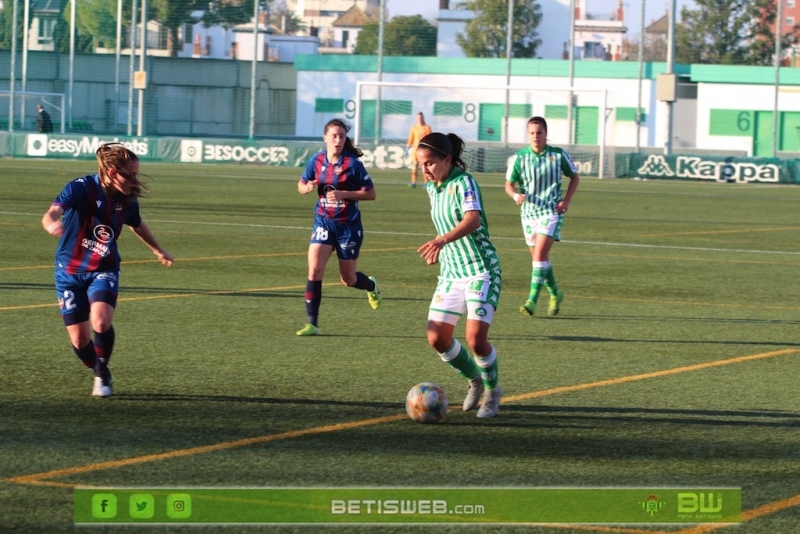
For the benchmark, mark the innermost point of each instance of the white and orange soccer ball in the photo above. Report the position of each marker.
(426, 403)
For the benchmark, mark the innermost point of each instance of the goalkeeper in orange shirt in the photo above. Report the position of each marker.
(415, 134)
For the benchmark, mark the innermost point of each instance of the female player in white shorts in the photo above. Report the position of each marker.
(469, 275)
(537, 170)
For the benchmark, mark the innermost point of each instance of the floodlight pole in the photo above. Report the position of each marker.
(12, 73)
(72, 23)
(571, 69)
(641, 76)
(379, 105)
(670, 70)
(132, 38)
(509, 45)
(253, 68)
(142, 56)
(775, 117)
(26, 23)
(116, 62)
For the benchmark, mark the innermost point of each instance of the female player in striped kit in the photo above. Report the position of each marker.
(94, 209)
(537, 170)
(469, 273)
(340, 180)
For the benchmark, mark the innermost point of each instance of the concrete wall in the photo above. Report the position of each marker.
(184, 96)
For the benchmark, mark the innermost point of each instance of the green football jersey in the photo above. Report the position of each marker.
(473, 254)
(539, 178)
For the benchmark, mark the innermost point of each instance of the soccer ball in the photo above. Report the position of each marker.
(426, 403)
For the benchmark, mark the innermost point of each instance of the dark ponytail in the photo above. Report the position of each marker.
(348, 143)
(445, 145)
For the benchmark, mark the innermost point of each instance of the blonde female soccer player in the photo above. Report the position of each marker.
(469, 272)
(87, 217)
(537, 170)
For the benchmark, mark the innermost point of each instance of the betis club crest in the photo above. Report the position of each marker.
(651, 505)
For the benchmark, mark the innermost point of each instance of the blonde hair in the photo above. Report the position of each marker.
(120, 158)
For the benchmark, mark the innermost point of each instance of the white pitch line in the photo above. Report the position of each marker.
(571, 242)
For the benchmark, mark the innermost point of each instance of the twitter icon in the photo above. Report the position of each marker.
(142, 506)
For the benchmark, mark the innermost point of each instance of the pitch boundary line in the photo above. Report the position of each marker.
(497, 238)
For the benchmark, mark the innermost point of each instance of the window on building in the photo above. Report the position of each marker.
(790, 21)
(345, 38)
(593, 50)
(789, 3)
(187, 33)
(46, 28)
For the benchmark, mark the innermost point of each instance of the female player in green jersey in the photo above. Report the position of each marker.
(469, 272)
(537, 170)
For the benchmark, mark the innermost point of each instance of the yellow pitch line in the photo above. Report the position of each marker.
(177, 295)
(37, 478)
(712, 232)
(208, 258)
(748, 515)
(666, 372)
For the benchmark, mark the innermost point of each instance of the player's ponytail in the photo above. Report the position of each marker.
(446, 145)
(348, 143)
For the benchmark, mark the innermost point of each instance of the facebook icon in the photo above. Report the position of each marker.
(104, 505)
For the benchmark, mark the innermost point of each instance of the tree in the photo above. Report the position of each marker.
(98, 19)
(725, 32)
(6, 16)
(84, 43)
(172, 15)
(486, 34)
(228, 13)
(284, 18)
(761, 50)
(403, 36)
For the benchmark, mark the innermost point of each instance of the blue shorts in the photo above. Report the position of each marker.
(345, 237)
(77, 292)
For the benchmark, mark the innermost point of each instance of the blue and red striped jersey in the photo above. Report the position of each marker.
(347, 174)
(92, 223)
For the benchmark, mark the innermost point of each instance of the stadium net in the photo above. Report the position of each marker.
(22, 107)
(491, 120)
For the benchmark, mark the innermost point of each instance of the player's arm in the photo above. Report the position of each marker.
(305, 188)
(369, 194)
(430, 250)
(563, 206)
(51, 221)
(143, 232)
(513, 174)
(570, 170)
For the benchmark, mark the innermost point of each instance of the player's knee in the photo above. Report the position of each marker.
(101, 324)
(477, 343)
(349, 281)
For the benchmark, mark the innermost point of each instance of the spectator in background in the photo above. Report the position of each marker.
(417, 132)
(43, 122)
